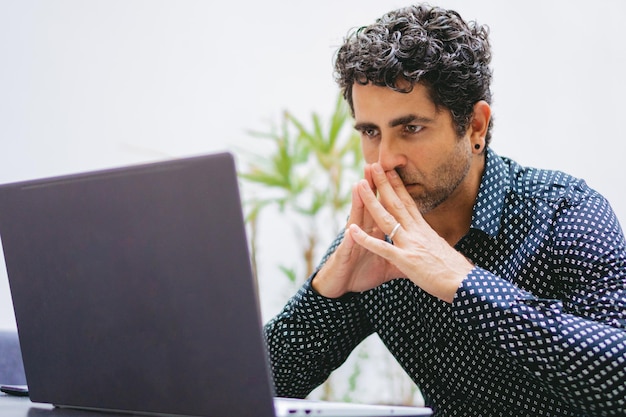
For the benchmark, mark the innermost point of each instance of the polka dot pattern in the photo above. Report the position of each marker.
(538, 328)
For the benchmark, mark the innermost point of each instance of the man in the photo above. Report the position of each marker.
(501, 290)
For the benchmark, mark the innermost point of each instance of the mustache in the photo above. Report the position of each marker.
(406, 177)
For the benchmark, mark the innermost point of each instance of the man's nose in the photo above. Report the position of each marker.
(390, 156)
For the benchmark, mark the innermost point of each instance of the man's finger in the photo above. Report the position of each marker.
(383, 219)
(390, 200)
(403, 194)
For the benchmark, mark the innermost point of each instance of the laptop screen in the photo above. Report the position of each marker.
(133, 291)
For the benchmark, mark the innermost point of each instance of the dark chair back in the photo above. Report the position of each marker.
(11, 365)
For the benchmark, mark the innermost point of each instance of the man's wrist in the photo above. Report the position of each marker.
(319, 282)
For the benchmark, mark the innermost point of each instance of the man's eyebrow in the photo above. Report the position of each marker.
(399, 121)
(364, 126)
(410, 118)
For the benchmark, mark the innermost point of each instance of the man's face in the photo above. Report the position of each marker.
(406, 132)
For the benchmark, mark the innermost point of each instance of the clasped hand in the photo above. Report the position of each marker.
(365, 260)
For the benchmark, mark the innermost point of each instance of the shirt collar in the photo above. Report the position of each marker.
(494, 186)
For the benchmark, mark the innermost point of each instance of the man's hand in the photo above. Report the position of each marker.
(417, 250)
(352, 267)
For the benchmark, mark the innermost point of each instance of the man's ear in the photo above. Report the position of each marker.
(479, 125)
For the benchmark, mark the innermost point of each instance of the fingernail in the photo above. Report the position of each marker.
(392, 174)
(377, 168)
(354, 229)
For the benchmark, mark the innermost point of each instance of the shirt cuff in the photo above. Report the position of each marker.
(483, 300)
(325, 312)
(497, 309)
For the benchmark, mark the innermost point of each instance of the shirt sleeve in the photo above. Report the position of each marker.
(311, 337)
(574, 344)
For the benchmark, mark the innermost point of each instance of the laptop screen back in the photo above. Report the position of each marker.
(133, 291)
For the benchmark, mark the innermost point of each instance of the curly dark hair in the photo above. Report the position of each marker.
(421, 44)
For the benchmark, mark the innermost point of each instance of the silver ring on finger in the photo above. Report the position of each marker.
(393, 232)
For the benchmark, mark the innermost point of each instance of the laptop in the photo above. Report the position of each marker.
(133, 293)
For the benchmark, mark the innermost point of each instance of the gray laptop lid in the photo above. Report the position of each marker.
(133, 291)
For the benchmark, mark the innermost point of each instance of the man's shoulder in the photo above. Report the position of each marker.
(545, 184)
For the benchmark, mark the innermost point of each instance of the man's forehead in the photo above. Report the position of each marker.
(372, 102)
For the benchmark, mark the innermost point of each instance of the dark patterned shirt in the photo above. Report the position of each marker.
(538, 328)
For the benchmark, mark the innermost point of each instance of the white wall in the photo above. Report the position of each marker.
(99, 83)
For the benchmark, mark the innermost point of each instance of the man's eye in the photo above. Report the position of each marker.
(413, 128)
(370, 133)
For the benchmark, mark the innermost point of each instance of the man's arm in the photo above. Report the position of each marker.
(575, 344)
(312, 336)
(321, 325)
(582, 359)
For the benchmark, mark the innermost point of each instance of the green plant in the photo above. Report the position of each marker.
(308, 173)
